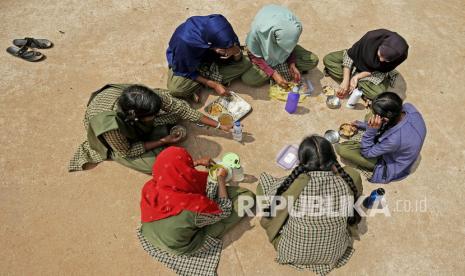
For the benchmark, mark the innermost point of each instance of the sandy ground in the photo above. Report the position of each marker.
(56, 223)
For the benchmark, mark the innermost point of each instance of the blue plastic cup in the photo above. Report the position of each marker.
(292, 102)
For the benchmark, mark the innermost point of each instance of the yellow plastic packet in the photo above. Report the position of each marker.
(280, 94)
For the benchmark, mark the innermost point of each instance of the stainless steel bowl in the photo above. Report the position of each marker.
(332, 136)
(180, 130)
(333, 102)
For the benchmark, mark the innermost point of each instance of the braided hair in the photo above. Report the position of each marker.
(300, 169)
(138, 101)
(317, 154)
(313, 156)
(387, 105)
(355, 219)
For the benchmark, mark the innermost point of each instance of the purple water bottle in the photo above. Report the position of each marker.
(292, 100)
(375, 195)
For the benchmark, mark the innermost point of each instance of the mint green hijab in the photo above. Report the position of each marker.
(274, 34)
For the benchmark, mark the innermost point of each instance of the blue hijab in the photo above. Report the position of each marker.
(192, 40)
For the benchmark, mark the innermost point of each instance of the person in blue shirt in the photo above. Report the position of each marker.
(204, 50)
(392, 142)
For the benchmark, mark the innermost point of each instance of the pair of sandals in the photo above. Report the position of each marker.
(21, 48)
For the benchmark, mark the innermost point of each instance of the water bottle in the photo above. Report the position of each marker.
(354, 97)
(374, 196)
(237, 131)
(292, 100)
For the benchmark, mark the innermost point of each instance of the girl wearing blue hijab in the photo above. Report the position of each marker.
(204, 50)
(272, 47)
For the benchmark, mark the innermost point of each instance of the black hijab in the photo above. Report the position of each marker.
(391, 45)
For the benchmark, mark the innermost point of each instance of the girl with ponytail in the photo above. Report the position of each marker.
(317, 242)
(392, 142)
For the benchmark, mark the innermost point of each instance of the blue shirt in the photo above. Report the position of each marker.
(397, 149)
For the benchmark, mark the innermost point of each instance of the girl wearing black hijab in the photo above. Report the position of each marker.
(369, 64)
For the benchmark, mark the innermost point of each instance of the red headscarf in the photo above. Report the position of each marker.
(176, 186)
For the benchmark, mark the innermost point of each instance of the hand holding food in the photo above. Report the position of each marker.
(344, 89)
(280, 80)
(179, 130)
(353, 83)
(221, 90)
(222, 173)
(229, 52)
(295, 72)
(172, 138)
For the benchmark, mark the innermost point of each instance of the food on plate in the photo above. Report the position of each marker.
(347, 130)
(234, 106)
(216, 109)
(329, 90)
(226, 119)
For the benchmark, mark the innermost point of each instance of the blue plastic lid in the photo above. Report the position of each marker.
(237, 123)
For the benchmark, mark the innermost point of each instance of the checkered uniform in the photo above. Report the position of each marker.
(284, 71)
(211, 71)
(317, 243)
(376, 77)
(224, 203)
(172, 110)
(203, 261)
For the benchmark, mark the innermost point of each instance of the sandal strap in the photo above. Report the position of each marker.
(22, 50)
(32, 42)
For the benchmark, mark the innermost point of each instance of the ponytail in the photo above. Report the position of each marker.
(130, 117)
(136, 102)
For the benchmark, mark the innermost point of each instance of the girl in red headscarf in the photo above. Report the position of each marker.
(183, 213)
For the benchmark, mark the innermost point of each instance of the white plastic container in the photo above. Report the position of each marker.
(237, 131)
(354, 98)
(238, 174)
(287, 158)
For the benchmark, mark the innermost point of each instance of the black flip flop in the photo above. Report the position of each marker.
(33, 43)
(23, 53)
